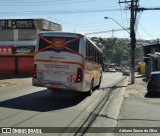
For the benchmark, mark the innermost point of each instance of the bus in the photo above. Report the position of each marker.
(69, 61)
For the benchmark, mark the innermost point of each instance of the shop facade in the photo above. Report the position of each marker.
(151, 58)
(17, 44)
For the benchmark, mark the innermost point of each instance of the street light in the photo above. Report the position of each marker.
(117, 23)
(132, 49)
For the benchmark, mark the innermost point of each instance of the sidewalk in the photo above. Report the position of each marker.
(139, 88)
(139, 109)
(13, 80)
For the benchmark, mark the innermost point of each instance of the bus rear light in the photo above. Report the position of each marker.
(79, 75)
(34, 71)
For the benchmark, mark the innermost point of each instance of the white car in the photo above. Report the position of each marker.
(126, 72)
(111, 70)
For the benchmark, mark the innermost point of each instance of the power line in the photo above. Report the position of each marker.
(100, 32)
(43, 3)
(142, 9)
(145, 30)
(24, 1)
(95, 25)
(138, 9)
(122, 17)
(58, 12)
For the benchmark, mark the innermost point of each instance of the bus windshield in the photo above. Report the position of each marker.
(58, 44)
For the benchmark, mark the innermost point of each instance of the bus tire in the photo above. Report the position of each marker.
(89, 93)
(52, 90)
(100, 80)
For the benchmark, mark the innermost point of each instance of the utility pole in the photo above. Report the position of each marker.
(133, 42)
(134, 9)
(132, 36)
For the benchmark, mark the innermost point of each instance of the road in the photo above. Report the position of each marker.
(22, 105)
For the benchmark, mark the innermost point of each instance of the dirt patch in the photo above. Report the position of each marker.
(3, 84)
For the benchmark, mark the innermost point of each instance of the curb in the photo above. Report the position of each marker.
(115, 105)
(109, 115)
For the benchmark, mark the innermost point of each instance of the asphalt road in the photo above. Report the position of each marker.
(22, 105)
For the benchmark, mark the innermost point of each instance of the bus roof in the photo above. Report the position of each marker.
(59, 32)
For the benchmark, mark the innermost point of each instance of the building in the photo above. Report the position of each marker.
(18, 41)
(151, 58)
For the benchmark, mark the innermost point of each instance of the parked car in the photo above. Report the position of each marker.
(154, 82)
(126, 72)
(111, 70)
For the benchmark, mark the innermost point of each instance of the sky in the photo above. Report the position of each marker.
(87, 16)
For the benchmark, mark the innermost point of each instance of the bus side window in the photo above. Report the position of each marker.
(95, 56)
(92, 54)
(87, 51)
(98, 57)
(101, 59)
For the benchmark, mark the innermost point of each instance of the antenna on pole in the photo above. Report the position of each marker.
(112, 33)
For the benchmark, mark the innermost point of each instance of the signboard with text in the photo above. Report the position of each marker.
(5, 49)
(2, 24)
(39, 24)
(23, 24)
(17, 24)
(23, 50)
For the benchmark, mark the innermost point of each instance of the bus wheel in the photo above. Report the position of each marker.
(100, 80)
(53, 90)
(89, 93)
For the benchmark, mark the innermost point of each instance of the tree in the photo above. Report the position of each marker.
(115, 50)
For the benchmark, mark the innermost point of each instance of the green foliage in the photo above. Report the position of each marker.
(118, 50)
(115, 50)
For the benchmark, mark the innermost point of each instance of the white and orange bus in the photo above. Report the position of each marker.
(68, 61)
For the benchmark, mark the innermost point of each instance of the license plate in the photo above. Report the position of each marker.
(55, 86)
